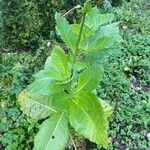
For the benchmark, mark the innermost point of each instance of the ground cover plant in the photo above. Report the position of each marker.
(125, 85)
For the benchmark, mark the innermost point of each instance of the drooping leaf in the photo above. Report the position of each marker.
(108, 110)
(95, 19)
(37, 107)
(64, 30)
(53, 133)
(90, 78)
(87, 117)
(60, 62)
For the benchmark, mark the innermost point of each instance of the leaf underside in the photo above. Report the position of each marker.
(53, 133)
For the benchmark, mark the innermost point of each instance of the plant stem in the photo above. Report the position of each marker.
(77, 47)
(73, 141)
(76, 7)
(80, 33)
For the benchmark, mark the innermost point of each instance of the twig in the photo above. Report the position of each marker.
(76, 7)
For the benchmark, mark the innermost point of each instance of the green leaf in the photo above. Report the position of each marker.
(64, 30)
(37, 107)
(95, 19)
(105, 38)
(90, 78)
(85, 35)
(60, 62)
(87, 9)
(111, 30)
(108, 110)
(78, 66)
(49, 67)
(100, 44)
(44, 83)
(48, 64)
(76, 29)
(53, 133)
(56, 69)
(87, 117)
(97, 56)
(60, 100)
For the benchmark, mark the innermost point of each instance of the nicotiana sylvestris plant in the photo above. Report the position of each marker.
(63, 93)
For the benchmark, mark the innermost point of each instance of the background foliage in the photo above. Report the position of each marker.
(23, 23)
(126, 80)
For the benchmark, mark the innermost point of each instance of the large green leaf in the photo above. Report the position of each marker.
(37, 107)
(60, 62)
(44, 83)
(60, 100)
(64, 30)
(87, 117)
(105, 38)
(90, 78)
(53, 133)
(95, 19)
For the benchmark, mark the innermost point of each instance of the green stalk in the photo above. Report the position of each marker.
(77, 47)
(80, 33)
(73, 141)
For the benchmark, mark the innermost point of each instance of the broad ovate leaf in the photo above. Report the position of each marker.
(87, 117)
(60, 62)
(97, 56)
(95, 19)
(53, 133)
(44, 83)
(36, 107)
(105, 38)
(64, 30)
(90, 78)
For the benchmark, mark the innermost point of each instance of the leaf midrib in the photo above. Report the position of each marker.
(83, 85)
(84, 112)
(55, 128)
(41, 104)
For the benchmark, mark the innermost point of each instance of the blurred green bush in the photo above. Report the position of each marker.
(20, 23)
(23, 23)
